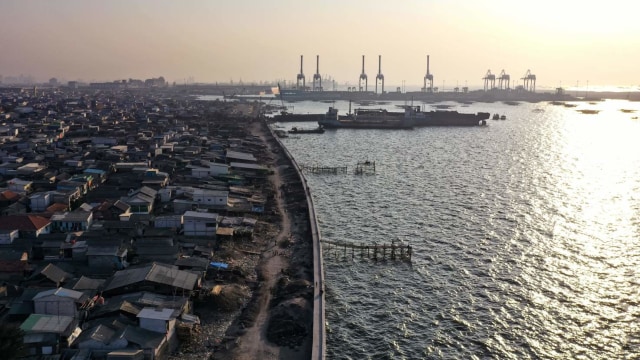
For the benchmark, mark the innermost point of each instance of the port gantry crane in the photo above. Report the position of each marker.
(529, 81)
(300, 76)
(429, 78)
(504, 78)
(363, 76)
(489, 81)
(316, 76)
(380, 77)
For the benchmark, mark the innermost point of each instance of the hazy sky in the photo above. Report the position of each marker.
(561, 41)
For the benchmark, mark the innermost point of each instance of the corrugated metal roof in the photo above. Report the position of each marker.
(38, 338)
(240, 165)
(86, 283)
(127, 277)
(114, 305)
(157, 300)
(100, 333)
(62, 292)
(158, 313)
(46, 323)
(171, 275)
(200, 215)
(133, 353)
(155, 272)
(146, 339)
(240, 155)
(193, 262)
(55, 274)
(103, 250)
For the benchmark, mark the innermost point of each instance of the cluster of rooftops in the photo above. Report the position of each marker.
(111, 206)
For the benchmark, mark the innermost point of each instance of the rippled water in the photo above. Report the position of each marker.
(525, 235)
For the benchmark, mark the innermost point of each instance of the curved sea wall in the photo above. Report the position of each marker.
(319, 336)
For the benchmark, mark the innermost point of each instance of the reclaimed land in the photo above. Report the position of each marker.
(263, 308)
(276, 321)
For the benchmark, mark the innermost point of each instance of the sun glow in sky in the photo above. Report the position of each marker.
(562, 42)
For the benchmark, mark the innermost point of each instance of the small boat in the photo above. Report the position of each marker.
(503, 117)
(318, 130)
(496, 116)
(588, 111)
(281, 133)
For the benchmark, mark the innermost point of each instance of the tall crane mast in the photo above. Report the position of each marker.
(363, 76)
(300, 76)
(428, 78)
(380, 77)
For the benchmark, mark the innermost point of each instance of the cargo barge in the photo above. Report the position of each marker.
(410, 118)
(451, 118)
(288, 117)
(297, 130)
(366, 119)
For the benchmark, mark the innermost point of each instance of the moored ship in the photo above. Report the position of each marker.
(297, 130)
(366, 119)
(411, 117)
(288, 117)
(451, 118)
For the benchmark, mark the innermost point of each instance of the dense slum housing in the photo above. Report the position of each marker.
(112, 203)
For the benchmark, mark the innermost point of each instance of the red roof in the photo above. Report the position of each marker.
(9, 195)
(13, 266)
(57, 207)
(23, 222)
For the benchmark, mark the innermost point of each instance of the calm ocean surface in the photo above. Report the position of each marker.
(525, 234)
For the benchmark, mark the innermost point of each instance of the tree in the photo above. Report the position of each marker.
(11, 341)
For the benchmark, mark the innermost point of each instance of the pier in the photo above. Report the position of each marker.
(333, 170)
(392, 251)
(366, 168)
(361, 168)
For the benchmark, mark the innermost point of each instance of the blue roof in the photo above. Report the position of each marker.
(219, 265)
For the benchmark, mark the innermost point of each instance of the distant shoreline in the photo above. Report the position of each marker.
(472, 96)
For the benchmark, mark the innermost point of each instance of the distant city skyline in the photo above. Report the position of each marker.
(253, 41)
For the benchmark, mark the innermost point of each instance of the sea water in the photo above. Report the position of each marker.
(525, 232)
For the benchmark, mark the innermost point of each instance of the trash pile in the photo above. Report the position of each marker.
(289, 322)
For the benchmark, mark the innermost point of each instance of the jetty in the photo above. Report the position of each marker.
(365, 167)
(316, 169)
(392, 251)
(362, 168)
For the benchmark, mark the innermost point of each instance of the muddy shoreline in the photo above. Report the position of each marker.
(273, 292)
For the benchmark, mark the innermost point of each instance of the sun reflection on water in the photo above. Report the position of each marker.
(593, 250)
